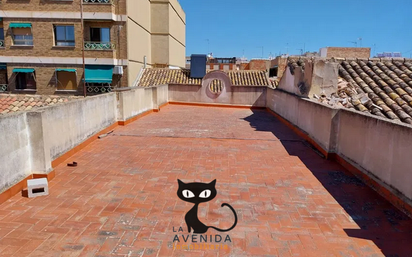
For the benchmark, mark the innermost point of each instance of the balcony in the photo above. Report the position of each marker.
(99, 45)
(94, 88)
(3, 88)
(98, 1)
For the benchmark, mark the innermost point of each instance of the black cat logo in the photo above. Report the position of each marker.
(199, 193)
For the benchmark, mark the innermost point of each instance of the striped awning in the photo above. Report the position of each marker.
(20, 25)
(67, 70)
(99, 73)
(23, 70)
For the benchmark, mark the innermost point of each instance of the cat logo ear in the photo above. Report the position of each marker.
(213, 183)
(180, 182)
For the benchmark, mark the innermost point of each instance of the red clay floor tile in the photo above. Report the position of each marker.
(121, 199)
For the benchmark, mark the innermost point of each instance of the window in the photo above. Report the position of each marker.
(1, 37)
(273, 72)
(100, 35)
(64, 35)
(22, 36)
(25, 81)
(66, 80)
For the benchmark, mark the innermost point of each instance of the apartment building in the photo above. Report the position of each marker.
(42, 43)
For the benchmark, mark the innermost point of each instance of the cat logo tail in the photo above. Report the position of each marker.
(234, 224)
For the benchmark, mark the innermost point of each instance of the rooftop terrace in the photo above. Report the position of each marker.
(121, 199)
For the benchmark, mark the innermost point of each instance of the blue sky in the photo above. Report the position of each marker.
(234, 27)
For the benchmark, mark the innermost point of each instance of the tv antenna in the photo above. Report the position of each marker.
(354, 42)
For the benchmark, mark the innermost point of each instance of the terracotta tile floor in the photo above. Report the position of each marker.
(121, 199)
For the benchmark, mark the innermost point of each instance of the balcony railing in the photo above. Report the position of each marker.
(98, 1)
(3, 87)
(98, 46)
(99, 88)
(1, 43)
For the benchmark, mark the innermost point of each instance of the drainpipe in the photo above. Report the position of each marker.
(84, 65)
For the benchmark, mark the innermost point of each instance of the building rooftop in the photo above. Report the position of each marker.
(380, 86)
(16, 103)
(387, 83)
(121, 198)
(154, 77)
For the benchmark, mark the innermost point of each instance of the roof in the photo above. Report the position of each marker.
(17, 103)
(387, 84)
(381, 86)
(155, 77)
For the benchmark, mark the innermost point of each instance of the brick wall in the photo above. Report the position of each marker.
(348, 52)
(46, 78)
(119, 6)
(43, 40)
(44, 43)
(281, 63)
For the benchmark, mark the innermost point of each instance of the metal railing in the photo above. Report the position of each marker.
(99, 46)
(98, 1)
(3, 88)
(99, 89)
(23, 42)
(1, 43)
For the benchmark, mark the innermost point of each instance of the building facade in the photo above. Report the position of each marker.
(345, 52)
(42, 42)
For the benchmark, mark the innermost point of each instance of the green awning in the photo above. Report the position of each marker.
(3, 66)
(23, 70)
(68, 70)
(99, 73)
(20, 25)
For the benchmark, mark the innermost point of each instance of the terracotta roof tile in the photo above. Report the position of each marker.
(17, 103)
(155, 77)
(387, 83)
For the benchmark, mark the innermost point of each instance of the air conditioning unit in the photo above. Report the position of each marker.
(118, 70)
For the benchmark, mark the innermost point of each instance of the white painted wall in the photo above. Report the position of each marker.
(134, 102)
(70, 124)
(15, 162)
(381, 148)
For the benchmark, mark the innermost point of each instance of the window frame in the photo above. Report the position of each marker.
(1, 33)
(58, 81)
(100, 34)
(57, 41)
(23, 39)
(29, 76)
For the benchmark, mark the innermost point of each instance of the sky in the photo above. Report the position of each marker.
(236, 28)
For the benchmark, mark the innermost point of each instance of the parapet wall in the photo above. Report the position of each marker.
(30, 141)
(225, 93)
(379, 148)
(15, 156)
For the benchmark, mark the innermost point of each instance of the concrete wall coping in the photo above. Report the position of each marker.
(369, 115)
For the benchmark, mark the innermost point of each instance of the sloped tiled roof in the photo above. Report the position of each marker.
(248, 78)
(17, 103)
(380, 86)
(154, 77)
(294, 63)
(387, 83)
